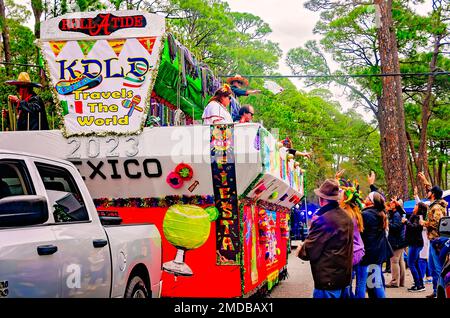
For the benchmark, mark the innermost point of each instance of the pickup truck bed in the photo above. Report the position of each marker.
(53, 244)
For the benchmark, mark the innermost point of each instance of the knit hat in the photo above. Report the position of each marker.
(437, 191)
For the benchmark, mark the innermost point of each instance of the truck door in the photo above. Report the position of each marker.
(82, 241)
(29, 263)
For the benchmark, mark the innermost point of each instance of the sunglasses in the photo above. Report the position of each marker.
(251, 113)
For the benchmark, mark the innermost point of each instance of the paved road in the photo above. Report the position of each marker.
(299, 283)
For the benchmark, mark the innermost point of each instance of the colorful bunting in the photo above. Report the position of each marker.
(147, 43)
(86, 46)
(117, 45)
(57, 46)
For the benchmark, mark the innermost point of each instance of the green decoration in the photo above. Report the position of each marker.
(190, 99)
(274, 195)
(184, 172)
(251, 186)
(86, 45)
(213, 213)
(65, 107)
(186, 226)
(241, 252)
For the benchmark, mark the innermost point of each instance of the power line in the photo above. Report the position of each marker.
(344, 75)
(20, 64)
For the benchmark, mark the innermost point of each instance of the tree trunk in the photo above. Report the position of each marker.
(38, 8)
(5, 36)
(426, 110)
(391, 113)
(446, 175)
(411, 173)
(439, 174)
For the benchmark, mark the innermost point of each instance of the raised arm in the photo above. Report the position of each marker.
(424, 180)
(371, 180)
(416, 195)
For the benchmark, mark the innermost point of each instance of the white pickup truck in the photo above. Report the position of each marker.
(54, 244)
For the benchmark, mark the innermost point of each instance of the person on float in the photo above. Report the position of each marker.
(287, 143)
(329, 245)
(237, 83)
(216, 111)
(246, 114)
(30, 107)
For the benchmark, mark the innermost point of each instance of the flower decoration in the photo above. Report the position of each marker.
(174, 180)
(185, 171)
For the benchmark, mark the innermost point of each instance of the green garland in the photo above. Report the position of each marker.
(262, 134)
(241, 238)
(163, 202)
(251, 186)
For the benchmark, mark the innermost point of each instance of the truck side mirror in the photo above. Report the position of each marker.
(444, 226)
(23, 210)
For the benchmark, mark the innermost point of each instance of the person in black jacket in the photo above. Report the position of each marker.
(329, 245)
(397, 240)
(414, 240)
(31, 109)
(377, 248)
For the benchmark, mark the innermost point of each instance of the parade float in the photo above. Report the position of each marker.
(130, 98)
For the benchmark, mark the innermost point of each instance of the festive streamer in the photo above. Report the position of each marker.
(154, 202)
(57, 46)
(117, 45)
(147, 43)
(86, 46)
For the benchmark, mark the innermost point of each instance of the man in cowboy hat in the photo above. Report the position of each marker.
(30, 106)
(287, 143)
(329, 245)
(237, 82)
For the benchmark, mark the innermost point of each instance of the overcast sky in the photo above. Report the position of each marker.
(292, 25)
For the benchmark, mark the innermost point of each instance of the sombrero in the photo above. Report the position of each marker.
(238, 78)
(23, 80)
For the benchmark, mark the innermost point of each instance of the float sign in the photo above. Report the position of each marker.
(102, 67)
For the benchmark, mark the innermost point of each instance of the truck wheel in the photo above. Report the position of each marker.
(136, 288)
